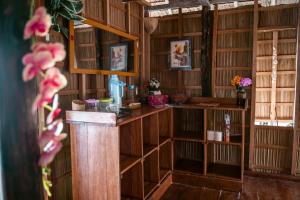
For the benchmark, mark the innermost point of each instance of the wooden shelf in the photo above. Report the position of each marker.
(189, 136)
(163, 140)
(149, 187)
(224, 171)
(151, 173)
(163, 173)
(192, 166)
(126, 162)
(234, 140)
(148, 149)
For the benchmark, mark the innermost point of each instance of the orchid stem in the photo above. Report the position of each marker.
(48, 107)
(42, 75)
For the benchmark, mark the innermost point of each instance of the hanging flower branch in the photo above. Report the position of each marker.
(41, 62)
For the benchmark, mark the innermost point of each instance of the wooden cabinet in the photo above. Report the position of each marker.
(139, 156)
(121, 159)
(211, 163)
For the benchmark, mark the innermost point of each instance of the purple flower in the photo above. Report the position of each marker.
(245, 82)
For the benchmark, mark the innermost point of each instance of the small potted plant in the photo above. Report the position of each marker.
(155, 97)
(240, 84)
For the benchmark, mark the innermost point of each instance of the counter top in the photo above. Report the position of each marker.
(110, 119)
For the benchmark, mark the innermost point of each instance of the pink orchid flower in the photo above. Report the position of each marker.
(55, 111)
(50, 142)
(57, 50)
(35, 62)
(38, 25)
(53, 82)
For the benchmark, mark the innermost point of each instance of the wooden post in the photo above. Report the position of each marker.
(253, 97)
(180, 33)
(274, 76)
(19, 171)
(214, 51)
(206, 51)
(297, 101)
(82, 86)
(107, 12)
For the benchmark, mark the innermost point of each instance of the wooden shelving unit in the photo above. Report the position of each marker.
(145, 152)
(206, 161)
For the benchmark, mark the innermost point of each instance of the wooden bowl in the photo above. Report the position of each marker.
(179, 99)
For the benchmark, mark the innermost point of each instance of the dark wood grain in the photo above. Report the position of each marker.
(20, 174)
(206, 52)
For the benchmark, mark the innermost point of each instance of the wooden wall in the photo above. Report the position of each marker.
(232, 54)
(125, 17)
(172, 28)
(277, 28)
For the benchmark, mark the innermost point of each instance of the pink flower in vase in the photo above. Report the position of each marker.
(55, 110)
(245, 82)
(50, 142)
(38, 25)
(57, 50)
(35, 62)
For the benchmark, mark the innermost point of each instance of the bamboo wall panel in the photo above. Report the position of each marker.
(234, 57)
(279, 20)
(273, 146)
(224, 154)
(117, 12)
(94, 9)
(173, 28)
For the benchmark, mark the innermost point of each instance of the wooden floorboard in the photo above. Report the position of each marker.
(255, 188)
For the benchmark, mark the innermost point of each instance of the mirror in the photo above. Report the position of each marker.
(96, 48)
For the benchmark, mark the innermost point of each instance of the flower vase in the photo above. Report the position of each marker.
(241, 98)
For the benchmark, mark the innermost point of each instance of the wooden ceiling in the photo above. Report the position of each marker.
(183, 3)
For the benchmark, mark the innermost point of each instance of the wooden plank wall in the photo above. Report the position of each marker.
(273, 146)
(174, 27)
(125, 17)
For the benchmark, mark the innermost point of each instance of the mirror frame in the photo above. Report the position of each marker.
(76, 70)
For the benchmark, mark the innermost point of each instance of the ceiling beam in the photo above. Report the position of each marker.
(181, 4)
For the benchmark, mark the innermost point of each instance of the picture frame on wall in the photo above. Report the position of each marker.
(180, 54)
(118, 57)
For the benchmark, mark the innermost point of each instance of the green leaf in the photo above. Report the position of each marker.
(74, 7)
(65, 31)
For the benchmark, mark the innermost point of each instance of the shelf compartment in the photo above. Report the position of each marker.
(188, 124)
(151, 174)
(216, 122)
(132, 183)
(126, 162)
(234, 140)
(150, 133)
(189, 157)
(148, 149)
(224, 171)
(131, 139)
(165, 125)
(165, 160)
(189, 136)
(224, 160)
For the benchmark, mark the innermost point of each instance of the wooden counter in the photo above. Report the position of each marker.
(139, 156)
(114, 158)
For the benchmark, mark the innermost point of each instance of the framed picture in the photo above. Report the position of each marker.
(180, 54)
(118, 57)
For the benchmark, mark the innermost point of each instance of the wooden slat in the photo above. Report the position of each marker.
(297, 101)
(274, 76)
(253, 97)
(214, 50)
